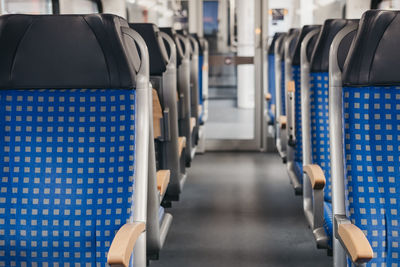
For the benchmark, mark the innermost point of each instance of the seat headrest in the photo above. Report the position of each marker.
(271, 49)
(172, 33)
(295, 33)
(157, 51)
(320, 55)
(304, 31)
(200, 44)
(374, 55)
(344, 47)
(280, 44)
(67, 51)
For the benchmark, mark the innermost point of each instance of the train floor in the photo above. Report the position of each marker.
(238, 209)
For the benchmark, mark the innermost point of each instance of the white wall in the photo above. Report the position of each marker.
(117, 7)
(355, 8)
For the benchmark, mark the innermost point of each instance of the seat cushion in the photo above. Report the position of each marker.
(328, 221)
(67, 174)
(298, 168)
(298, 153)
(320, 127)
(372, 154)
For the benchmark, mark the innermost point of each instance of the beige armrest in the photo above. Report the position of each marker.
(181, 144)
(192, 123)
(283, 121)
(200, 109)
(268, 96)
(123, 244)
(290, 86)
(316, 176)
(163, 177)
(355, 242)
(157, 115)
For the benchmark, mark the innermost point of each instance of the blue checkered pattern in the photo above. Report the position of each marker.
(271, 86)
(320, 127)
(372, 162)
(328, 220)
(66, 174)
(283, 89)
(298, 153)
(201, 62)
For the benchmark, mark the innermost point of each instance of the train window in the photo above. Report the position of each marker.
(79, 6)
(27, 6)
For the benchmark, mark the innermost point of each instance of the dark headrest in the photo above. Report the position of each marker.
(344, 48)
(320, 55)
(294, 35)
(304, 31)
(68, 51)
(311, 46)
(292, 30)
(200, 44)
(157, 51)
(374, 56)
(271, 49)
(280, 44)
(179, 52)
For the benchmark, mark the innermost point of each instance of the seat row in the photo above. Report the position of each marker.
(99, 120)
(334, 103)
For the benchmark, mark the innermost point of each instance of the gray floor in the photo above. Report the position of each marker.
(238, 209)
(226, 121)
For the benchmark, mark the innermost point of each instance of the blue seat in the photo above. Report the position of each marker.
(319, 123)
(69, 156)
(370, 104)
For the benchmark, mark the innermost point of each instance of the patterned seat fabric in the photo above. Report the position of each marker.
(372, 161)
(201, 62)
(67, 174)
(298, 155)
(320, 126)
(328, 220)
(271, 86)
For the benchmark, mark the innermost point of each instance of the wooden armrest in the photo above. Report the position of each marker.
(163, 177)
(316, 176)
(124, 241)
(200, 109)
(355, 242)
(268, 96)
(290, 86)
(192, 123)
(157, 115)
(181, 144)
(283, 121)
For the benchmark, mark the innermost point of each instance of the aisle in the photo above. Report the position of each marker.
(238, 209)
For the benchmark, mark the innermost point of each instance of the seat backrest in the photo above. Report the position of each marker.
(296, 78)
(67, 124)
(371, 114)
(271, 69)
(180, 53)
(319, 89)
(157, 51)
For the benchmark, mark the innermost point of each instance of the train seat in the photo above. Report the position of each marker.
(271, 95)
(293, 109)
(158, 172)
(280, 119)
(72, 159)
(316, 130)
(367, 183)
(184, 89)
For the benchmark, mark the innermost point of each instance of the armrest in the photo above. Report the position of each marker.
(157, 115)
(124, 241)
(163, 177)
(283, 122)
(268, 96)
(200, 109)
(181, 144)
(192, 123)
(290, 86)
(316, 176)
(355, 243)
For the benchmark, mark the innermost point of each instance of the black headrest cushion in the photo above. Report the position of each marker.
(320, 55)
(271, 49)
(172, 33)
(374, 56)
(304, 31)
(68, 51)
(155, 45)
